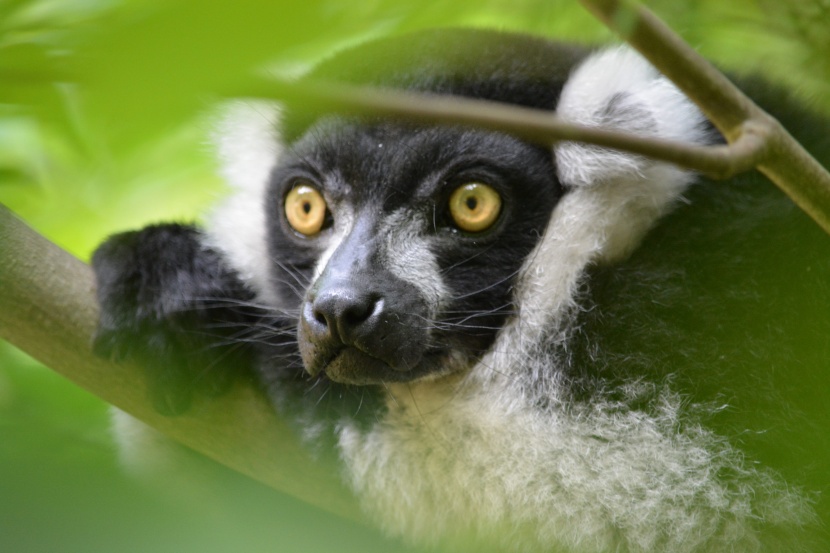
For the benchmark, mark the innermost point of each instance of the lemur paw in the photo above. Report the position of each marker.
(165, 305)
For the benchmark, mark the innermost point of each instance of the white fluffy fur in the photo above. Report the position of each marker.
(480, 469)
(248, 147)
(614, 197)
(618, 89)
(473, 459)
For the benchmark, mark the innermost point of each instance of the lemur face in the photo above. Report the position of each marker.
(401, 245)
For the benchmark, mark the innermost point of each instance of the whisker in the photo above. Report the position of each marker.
(390, 394)
(323, 395)
(301, 280)
(429, 428)
(466, 260)
(488, 287)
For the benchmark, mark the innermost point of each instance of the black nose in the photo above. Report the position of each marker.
(353, 315)
(344, 314)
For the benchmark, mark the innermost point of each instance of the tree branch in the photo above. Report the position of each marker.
(48, 309)
(535, 125)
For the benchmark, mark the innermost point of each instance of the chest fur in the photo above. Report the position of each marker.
(455, 460)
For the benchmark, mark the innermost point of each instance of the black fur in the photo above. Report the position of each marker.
(502, 67)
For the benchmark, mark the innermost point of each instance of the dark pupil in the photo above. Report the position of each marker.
(471, 203)
(306, 207)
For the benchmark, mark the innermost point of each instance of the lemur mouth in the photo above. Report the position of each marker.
(350, 365)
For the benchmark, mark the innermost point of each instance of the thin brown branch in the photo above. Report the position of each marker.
(784, 160)
(723, 103)
(48, 309)
(536, 125)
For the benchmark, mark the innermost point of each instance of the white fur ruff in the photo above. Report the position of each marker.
(477, 468)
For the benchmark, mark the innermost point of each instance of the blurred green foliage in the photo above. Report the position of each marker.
(105, 106)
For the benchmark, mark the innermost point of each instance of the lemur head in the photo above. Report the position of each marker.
(410, 239)
(405, 248)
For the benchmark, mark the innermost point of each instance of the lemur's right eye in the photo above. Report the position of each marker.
(305, 209)
(474, 206)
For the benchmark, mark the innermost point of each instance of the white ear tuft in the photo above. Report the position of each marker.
(618, 89)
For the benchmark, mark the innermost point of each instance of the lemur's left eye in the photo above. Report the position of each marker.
(474, 206)
(305, 209)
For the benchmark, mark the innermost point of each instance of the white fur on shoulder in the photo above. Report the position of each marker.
(612, 197)
(248, 143)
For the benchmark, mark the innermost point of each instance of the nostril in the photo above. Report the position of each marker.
(355, 314)
(320, 317)
(315, 318)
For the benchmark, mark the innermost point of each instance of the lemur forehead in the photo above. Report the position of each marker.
(399, 162)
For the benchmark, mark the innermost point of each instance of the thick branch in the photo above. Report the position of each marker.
(48, 309)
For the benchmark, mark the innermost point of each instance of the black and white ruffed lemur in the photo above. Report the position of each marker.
(506, 345)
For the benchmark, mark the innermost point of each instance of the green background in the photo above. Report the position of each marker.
(105, 107)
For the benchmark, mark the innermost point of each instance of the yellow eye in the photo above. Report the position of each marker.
(305, 209)
(475, 207)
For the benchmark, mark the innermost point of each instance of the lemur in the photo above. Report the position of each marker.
(508, 345)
